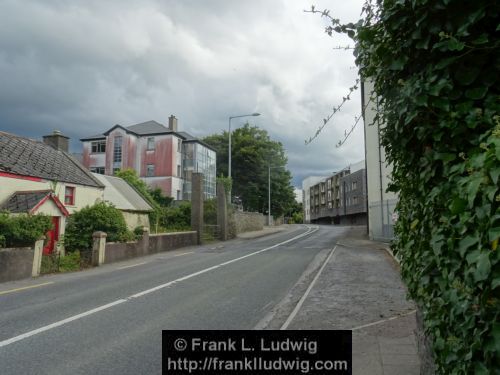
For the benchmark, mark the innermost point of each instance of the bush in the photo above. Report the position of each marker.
(22, 230)
(210, 211)
(99, 217)
(177, 218)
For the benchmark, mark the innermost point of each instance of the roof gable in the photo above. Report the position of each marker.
(30, 201)
(122, 195)
(27, 157)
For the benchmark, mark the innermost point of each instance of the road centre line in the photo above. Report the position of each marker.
(132, 265)
(148, 291)
(306, 294)
(25, 287)
(179, 255)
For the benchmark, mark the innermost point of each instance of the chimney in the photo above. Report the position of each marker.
(172, 123)
(57, 140)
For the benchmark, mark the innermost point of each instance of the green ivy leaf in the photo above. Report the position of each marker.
(473, 187)
(483, 267)
(458, 205)
(476, 93)
(494, 342)
(493, 234)
(465, 243)
(494, 173)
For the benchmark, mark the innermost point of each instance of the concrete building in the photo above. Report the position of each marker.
(162, 156)
(340, 198)
(307, 183)
(381, 203)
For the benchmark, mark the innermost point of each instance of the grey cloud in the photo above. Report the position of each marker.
(83, 66)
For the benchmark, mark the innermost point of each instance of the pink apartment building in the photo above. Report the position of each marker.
(162, 156)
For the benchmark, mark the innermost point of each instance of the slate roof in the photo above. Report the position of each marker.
(24, 201)
(150, 127)
(27, 157)
(123, 196)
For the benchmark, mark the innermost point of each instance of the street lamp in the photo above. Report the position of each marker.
(269, 191)
(229, 166)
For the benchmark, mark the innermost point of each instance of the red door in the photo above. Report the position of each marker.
(52, 236)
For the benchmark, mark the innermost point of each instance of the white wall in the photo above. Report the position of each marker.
(377, 169)
(84, 195)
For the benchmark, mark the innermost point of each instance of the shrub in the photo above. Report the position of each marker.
(177, 218)
(22, 230)
(99, 217)
(210, 211)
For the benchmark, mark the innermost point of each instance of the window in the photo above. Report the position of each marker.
(117, 150)
(354, 185)
(150, 172)
(151, 143)
(178, 171)
(98, 147)
(99, 170)
(115, 170)
(354, 200)
(69, 195)
(179, 144)
(178, 195)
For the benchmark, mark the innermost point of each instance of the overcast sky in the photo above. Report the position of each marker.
(83, 66)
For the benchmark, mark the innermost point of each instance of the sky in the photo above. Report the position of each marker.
(83, 66)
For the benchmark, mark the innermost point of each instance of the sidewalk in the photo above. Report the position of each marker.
(360, 289)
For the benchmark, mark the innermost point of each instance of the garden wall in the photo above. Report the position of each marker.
(16, 263)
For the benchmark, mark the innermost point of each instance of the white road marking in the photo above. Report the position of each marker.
(59, 323)
(383, 320)
(132, 265)
(148, 291)
(179, 255)
(306, 294)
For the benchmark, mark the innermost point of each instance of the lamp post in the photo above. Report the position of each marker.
(229, 159)
(269, 191)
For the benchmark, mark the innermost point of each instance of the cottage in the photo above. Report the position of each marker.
(42, 177)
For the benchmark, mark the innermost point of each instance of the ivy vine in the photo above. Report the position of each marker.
(435, 66)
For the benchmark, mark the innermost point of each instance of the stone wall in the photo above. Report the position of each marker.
(248, 221)
(149, 244)
(16, 264)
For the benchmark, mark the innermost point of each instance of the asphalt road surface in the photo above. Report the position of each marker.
(109, 320)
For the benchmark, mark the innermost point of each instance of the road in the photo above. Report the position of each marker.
(109, 320)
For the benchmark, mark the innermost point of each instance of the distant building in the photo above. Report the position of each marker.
(307, 183)
(298, 195)
(381, 203)
(339, 198)
(162, 157)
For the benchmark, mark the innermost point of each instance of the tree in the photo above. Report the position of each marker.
(252, 153)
